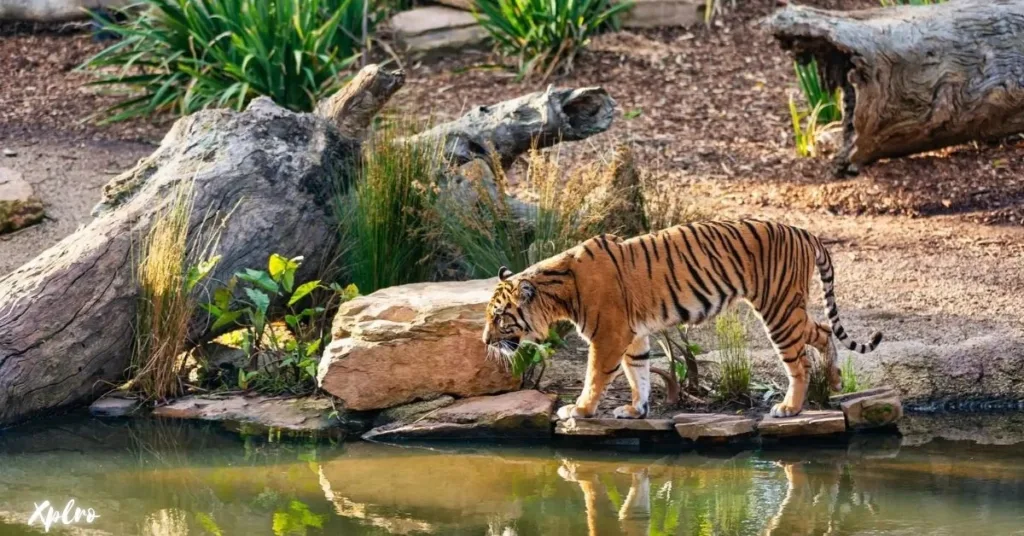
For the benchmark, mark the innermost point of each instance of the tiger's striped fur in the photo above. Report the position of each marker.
(618, 292)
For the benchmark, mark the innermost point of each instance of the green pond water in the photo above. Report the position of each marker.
(170, 478)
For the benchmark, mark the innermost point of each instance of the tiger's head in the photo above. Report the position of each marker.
(511, 318)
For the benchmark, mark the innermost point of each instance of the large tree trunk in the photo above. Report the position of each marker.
(915, 78)
(269, 174)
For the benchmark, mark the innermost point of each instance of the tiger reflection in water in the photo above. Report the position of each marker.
(820, 498)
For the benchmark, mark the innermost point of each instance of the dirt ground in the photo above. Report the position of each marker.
(927, 249)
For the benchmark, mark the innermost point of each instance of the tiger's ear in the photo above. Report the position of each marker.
(504, 273)
(526, 292)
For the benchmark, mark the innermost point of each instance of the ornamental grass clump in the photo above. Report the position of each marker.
(546, 34)
(181, 56)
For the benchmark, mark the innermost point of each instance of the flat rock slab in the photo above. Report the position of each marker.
(19, 206)
(407, 413)
(433, 29)
(614, 427)
(114, 406)
(713, 426)
(298, 415)
(664, 14)
(808, 423)
(522, 415)
(874, 408)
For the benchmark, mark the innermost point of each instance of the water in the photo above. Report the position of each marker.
(175, 479)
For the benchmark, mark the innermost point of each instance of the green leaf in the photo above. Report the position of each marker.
(222, 298)
(313, 347)
(292, 321)
(303, 291)
(259, 299)
(199, 272)
(227, 318)
(633, 114)
(260, 279)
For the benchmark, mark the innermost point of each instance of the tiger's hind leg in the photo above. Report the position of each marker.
(636, 363)
(790, 337)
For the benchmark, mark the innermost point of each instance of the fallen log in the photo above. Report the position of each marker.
(66, 316)
(914, 78)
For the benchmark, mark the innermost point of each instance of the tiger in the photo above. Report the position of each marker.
(619, 292)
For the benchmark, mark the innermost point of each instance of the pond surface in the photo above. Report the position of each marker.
(174, 479)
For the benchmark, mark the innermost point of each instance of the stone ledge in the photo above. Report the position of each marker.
(808, 423)
(614, 427)
(255, 413)
(713, 426)
(874, 408)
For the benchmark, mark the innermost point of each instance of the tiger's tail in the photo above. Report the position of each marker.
(824, 262)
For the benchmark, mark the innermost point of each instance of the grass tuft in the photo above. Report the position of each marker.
(546, 34)
(734, 358)
(492, 229)
(386, 222)
(168, 272)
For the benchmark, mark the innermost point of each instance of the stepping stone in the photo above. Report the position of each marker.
(664, 14)
(714, 426)
(520, 415)
(19, 206)
(613, 427)
(808, 423)
(435, 29)
(114, 406)
(874, 408)
(255, 413)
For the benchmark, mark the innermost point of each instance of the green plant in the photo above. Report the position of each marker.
(530, 355)
(683, 356)
(822, 109)
(168, 273)
(816, 93)
(386, 221)
(492, 229)
(851, 384)
(282, 357)
(185, 55)
(734, 359)
(546, 34)
(818, 386)
(667, 204)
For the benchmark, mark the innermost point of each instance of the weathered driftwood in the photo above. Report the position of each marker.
(915, 78)
(266, 174)
(509, 128)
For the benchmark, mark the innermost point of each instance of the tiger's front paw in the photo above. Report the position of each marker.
(785, 410)
(572, 411)
(628, 412)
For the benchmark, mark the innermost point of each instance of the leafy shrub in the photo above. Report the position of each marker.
(524, 363)
(494, 230)
(185, 55)
(734, 359)
(282, 358)
(818, 386)
(168, 273)
(546, 34)
(682, 355)
(386, 221)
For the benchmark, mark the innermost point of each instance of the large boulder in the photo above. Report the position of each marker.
(412, 342)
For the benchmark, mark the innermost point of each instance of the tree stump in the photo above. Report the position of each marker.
(915, 78)
(266, 175)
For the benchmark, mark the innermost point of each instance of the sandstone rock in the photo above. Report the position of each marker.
(614, 427)
(114, 406)
(19, 206)
(873, 408)
(434, 29)
(714, 426)
(412, 342)
(518, 415)
(664, 14)
(409, 412)
(258, 413)
(808, 423)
